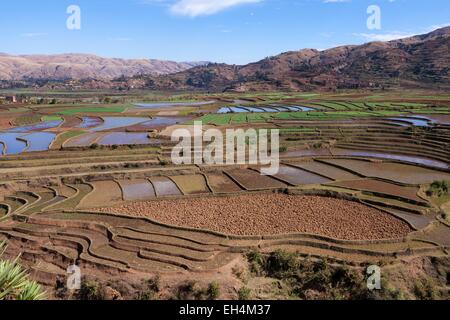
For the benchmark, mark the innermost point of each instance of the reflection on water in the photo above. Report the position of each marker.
(12, 145)
(124, 138)
(118, 122)
(172, 104)
(89, 122)
(389, 156)
(272, 109)
(39, 141)
(37, 127)
(414, 121)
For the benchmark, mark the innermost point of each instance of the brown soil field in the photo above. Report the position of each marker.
(271, 214)
(383, 187)
(253, 180)
(71, 122)
(5, 121)
(326, 170)
(104, 192)
(221, 183)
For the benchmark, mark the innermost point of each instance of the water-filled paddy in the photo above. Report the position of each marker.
(39, 141)
(402, 173)
(89, 122)
(172, 104)
(412, 121)
(37, 127)
(123, 138)
(165, 187)
(159, 122)
(12, 144)
(389, 156)
(297, 176)
(242, 109)
(137, 189)
(111, 123)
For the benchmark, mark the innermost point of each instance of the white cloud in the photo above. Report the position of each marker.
(33, 34)
(383, 36)
(194, 8)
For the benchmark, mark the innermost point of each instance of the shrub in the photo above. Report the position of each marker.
(244, 294)
(90, 290)
(281, 263)
(439, 189)
(425, 290)
(187, 290)
(213, 291)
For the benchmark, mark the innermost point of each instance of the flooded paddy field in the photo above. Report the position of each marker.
(390, 156)
(402, 173)
(123, 138)
(111, 123)
(89, 122)
(165, 187)
(140, 189)
(158, 105)
(268, 109)
(296, 176)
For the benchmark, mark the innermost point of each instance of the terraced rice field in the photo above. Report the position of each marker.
(191, 184)
(391, 171)
(103, 192)
(137, 189)
(253, 180)
(352, 185)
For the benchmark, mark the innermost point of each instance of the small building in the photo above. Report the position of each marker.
(11, 99)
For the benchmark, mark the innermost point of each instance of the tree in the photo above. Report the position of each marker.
(14, 281)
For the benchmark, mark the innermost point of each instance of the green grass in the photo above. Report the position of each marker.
(51, 118)
(27, 120)
(112, 109)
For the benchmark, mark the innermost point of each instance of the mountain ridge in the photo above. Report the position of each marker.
(79, 66)
(421, 60)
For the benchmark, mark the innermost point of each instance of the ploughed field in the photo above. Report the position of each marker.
(271, 214)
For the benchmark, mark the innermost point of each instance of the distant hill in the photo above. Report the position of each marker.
(419, 61)
(83, 66)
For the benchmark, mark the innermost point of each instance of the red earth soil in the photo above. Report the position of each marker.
(271, 214)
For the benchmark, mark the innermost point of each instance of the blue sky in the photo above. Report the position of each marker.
(231, 31)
